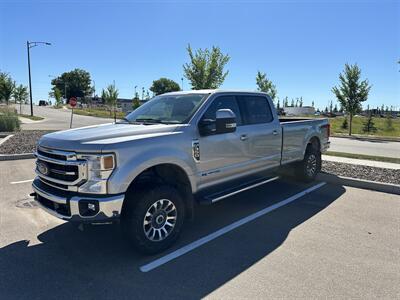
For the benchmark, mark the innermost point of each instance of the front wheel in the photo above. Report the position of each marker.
(309, 167)
(154, 218)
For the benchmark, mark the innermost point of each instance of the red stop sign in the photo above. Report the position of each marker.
(72, 101)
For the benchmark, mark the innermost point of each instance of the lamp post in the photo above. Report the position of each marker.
(30, 45)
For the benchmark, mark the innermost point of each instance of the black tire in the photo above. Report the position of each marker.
(145, 214)
(310, 166)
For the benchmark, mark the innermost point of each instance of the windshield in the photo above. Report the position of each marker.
(168, 109)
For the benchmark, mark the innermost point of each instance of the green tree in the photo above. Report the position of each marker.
(76, 83)
(20, 95)
(369, 125)
(352, 91)
(206, 68)
(335, 109)
(301, 102)
(265, 85)
(58, 97)
(285, 102)
(312, 103)
(292, 103)
(163, 85)
(110, 96)
(135, 103)
(7, 86)
(278, 106)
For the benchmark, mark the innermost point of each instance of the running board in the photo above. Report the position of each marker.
(209, 199)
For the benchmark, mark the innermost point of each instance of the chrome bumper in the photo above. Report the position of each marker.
(69, 206)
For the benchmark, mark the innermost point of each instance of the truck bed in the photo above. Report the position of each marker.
(296, 132)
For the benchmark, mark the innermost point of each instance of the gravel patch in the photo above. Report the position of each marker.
(362, 172)
(21, 142)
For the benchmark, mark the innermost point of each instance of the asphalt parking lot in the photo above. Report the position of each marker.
(333, 242)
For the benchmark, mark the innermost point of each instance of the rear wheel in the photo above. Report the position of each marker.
(154, 218)
(309, 167)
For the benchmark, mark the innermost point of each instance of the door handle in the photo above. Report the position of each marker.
(243, 137)
(275, 132)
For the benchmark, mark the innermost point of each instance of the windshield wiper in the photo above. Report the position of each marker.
(153, 121)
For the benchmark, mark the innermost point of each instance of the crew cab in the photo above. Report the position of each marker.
(148, 170)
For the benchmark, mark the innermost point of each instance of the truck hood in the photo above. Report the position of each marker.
(94, 138)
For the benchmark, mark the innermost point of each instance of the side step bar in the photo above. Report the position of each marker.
(209, 199)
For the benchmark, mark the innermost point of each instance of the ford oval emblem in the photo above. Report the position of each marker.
(43, 168)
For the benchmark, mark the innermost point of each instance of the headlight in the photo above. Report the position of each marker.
(100, 168)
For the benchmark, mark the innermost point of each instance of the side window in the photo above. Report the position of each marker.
(256, 110)
(221, 103)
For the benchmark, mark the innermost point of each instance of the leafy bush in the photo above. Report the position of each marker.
(369, 125)
(389, 124)
(344, 125)
(8, 119)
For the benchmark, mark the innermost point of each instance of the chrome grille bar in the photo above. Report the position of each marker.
(61, 158)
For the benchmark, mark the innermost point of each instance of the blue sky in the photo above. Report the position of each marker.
(301, 45)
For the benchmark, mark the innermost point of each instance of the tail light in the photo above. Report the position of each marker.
(328, 129)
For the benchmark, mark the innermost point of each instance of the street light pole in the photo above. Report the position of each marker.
(29, 71)
(30, 45)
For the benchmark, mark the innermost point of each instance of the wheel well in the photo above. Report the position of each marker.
(314, 143)
(170, 174)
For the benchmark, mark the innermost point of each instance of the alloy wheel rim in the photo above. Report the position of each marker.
(159, 220)
(311, 166)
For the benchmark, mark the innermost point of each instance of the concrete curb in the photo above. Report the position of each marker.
(360, 183)
(366, 138)
(5, 138)
(4, 157)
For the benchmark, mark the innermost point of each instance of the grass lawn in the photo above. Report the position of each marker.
(363, 156)
(95, 112)
(33, 118)
(358, 123)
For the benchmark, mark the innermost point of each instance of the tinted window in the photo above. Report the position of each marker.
(256, 110)
(221, 103)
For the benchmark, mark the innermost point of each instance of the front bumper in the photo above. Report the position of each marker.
(72, 206)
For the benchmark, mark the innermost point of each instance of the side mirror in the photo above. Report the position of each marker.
(225, 121)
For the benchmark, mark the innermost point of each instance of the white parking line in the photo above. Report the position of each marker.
(181, 251)
(22, 181)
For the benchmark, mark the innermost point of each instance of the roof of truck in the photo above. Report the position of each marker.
(212, 91)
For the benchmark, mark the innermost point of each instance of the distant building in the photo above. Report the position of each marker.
(299, 111)
(126, 104)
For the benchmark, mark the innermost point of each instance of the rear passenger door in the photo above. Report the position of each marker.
(262, 132)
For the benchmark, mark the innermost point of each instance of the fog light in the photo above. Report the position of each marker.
(88, 208)
(91, 206)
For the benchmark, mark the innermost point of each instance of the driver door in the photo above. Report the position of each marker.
(221, 155)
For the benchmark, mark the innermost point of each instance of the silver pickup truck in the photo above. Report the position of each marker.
(149, 169)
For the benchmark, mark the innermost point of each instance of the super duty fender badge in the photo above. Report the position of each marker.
(196, 150)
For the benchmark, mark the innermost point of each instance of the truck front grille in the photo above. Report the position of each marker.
(60, 169)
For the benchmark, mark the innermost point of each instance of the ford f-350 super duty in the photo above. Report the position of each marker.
(150, 168)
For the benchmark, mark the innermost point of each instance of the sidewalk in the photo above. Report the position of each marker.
(29, 121)
(363, 162)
